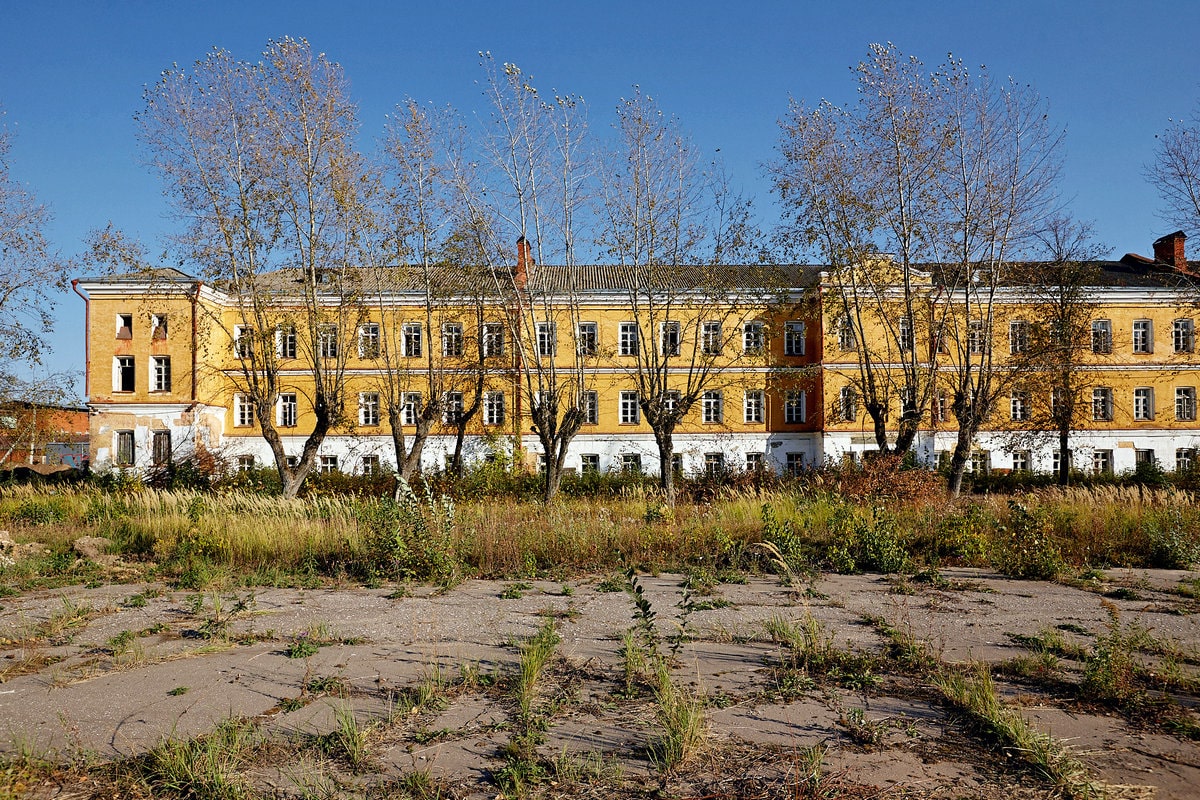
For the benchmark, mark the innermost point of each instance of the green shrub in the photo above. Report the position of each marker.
(1025, 548)
(1171, 545)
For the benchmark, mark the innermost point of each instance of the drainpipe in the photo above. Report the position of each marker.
(87, 339)
(195, 328)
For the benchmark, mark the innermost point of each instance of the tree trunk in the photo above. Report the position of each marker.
(1064, 458)
(666, 467)
(958, 461)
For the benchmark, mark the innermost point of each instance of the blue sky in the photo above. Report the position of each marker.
(71, 77)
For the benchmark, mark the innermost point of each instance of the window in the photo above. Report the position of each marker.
(368, 340)
(161, 448)
(1144, 457)
(1021, 461)
(410, 408)
(493, 408)
(327, 341)
(491, 337)
(752, 407)
(285, 342)
(754, 462)
(452, 408)
(630, 414)
(243, 341)
(712, 341)
(847, 338)
(452, 340)
(1056, 460)
(714, 464)
(158, 326)
(677, 464)
(754, 338)
(670, 338)
(794, 411)
(939, 345)
(327, 464)
(369, 465)
(793, 339)
(1058, 403)
(793, 463)
(368, 409)
(589, 405)
(286, 414)
(1018, 336)
(546, 339)
(1102, 462)
(243, 411)
(1019, 406)
(670, 401)
(908, 401)
(123, 374)
(631, 462)
(291, 462)
(904, 333)
(1185, 458)
(939, 407)
(1102, 336)
(1143, 403)
(1185, 403)
(712, 407)
(410, 339)
(977, 343)
(1102, 404)
(124, 448)
(1183, 336)
(589, 463)
(545, 400)
(124, 326)
(587, 339)
(160, 374)
(245, 463)
(1143, 336)
(543, 461)
(847, 409)
(627, 339)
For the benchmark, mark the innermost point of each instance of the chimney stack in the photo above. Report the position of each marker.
(524, 261)
(1169, 250)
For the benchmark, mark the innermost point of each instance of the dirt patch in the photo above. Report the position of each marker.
(354, 689)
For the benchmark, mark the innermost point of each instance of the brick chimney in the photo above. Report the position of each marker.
(1169, 250)
(524, 262)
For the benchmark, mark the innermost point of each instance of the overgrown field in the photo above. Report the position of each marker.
(204, 539)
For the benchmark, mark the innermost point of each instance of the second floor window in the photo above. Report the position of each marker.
(368, 409)
(243, 411)
(754, 338)
(1019, 406)
(847, 409)
(368, 340)
(847, 338)
(752, 409)
(794, 410)
(493, 408)
(123, 374)
(904, 334)
(160, 374)
(452, 340)
(1185, 404)
(939, 407)
(589, 407)
(1143, 403)
(1102, 404)
(288, 413)
(670, 338)
(629, 412)
(977, 343)
(1102, 336)
(285, 342)
(410, 408)
(1143, 336)
(452, 408)
(410, 340)
(587, 339)
(1183, 335)
(712, 407)
(327, 341)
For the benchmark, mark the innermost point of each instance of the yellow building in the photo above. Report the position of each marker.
(169, 358)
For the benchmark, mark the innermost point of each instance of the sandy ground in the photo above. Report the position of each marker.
(72, 681)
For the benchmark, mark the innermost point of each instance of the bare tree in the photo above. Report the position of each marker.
(259, 160)
(535, 146)
(861, 188)
(31, 274)
(1175, 171)
(670, 227)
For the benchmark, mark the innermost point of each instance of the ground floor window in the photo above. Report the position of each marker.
(793, 463)
(631, 462)
(125, 448)
(589, 463)
(754, 462)
(1021, 461)
(327, 464)
(1102, 462)
(370, 465)
(714, 464)
(162, 448)
(1185, 458)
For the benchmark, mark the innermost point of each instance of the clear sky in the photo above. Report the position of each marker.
(71, 77)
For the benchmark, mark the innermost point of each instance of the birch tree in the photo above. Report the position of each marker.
(1175, 171)
(259, 162)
